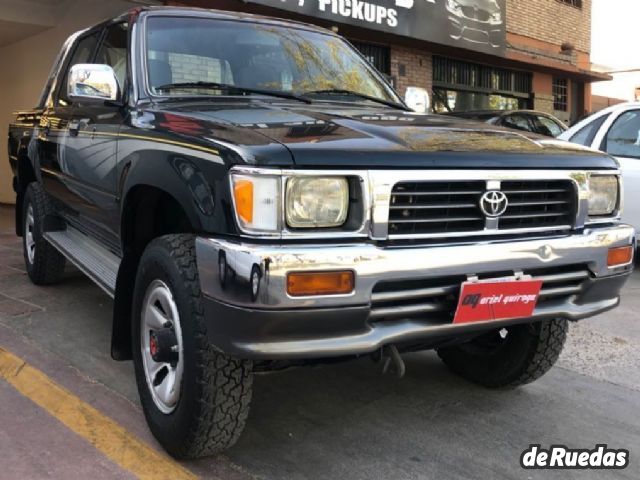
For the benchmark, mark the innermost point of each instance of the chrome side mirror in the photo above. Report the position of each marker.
(92, 81)
(417, 99)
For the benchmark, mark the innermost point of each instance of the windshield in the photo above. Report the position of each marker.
(255, 56)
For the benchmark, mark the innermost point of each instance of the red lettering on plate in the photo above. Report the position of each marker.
(499, 300)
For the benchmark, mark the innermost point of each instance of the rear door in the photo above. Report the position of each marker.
(622, 140)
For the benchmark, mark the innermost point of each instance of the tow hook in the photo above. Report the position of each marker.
(163, 345)
(392, 361)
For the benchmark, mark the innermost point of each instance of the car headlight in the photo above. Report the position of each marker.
(603, 195)
(257, 202)
(454, 7)
(496, 18)
(316, 202)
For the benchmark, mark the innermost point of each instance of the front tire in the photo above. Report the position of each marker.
(44, 264)
(509, 357)
(203, 408)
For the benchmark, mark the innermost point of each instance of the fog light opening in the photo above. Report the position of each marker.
(620, 256)
(304, 284)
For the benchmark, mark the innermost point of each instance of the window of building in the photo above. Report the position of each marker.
(464, 86)
(560, 94)
(377, 55)
(573, 3)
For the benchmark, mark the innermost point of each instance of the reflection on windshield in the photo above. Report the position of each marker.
(257, 56)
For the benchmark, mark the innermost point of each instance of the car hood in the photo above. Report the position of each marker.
(335, 135)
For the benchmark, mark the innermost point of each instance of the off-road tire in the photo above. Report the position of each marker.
(216, 388)
(526, 354)
(47, 266)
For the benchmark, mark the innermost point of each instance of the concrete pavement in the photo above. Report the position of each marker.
(342, 421)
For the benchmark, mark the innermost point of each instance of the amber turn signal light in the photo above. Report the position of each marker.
(320, 283)
(243, 195)
(620, 256)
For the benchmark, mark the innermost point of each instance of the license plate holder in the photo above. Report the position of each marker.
(497, 299)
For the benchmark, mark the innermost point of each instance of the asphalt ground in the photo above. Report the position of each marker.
(68, 411)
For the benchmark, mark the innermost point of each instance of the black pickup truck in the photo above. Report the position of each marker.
(255, 196)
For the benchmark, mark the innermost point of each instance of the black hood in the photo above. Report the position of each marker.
(335, 135)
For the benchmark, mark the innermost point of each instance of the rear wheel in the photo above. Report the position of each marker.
(195, 399)
(509, 357)
(44, 264)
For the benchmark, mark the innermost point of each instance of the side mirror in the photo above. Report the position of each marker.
(417, 99)
(92, 81)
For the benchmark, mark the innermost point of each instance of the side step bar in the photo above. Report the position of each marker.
(94, 260)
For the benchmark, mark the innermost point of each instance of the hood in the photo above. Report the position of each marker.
(331, 135)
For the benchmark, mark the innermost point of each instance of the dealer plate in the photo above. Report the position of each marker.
(497, 299)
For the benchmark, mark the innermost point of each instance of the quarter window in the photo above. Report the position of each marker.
(623, 138)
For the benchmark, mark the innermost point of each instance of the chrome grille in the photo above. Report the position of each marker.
(442, 208)
(436, 299)
(535, 204)
(436, 207)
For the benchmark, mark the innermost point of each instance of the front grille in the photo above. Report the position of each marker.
(436, 299)
(436, 207)
(447, 208)
(538, 204)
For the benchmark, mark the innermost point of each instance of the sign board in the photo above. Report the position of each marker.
(470, 24)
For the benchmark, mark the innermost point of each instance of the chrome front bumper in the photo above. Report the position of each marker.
(272, 324)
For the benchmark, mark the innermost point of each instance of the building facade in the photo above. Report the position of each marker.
(469, 54)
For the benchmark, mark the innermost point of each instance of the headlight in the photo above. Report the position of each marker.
(454, 7)
(603, 195)
(257, 200)
(496, 18)
(317, 202)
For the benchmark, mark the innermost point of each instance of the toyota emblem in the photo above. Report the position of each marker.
(494, 203)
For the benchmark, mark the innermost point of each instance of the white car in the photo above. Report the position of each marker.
(616, 130)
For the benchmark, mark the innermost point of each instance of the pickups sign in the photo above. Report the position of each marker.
(471, 24)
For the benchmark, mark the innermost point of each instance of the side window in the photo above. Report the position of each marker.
(113, 51)
(623, 138)
(586, 134)
(548, 127)
(518, 122)
(83, 53)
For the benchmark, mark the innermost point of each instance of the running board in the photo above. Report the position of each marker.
(94, 260)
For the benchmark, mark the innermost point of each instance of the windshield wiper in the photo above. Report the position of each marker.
(338, 91)
(226, 86)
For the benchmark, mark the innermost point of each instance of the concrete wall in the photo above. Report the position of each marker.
(25, 66)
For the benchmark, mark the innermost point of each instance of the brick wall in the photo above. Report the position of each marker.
(551, 21)
(411, 68)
